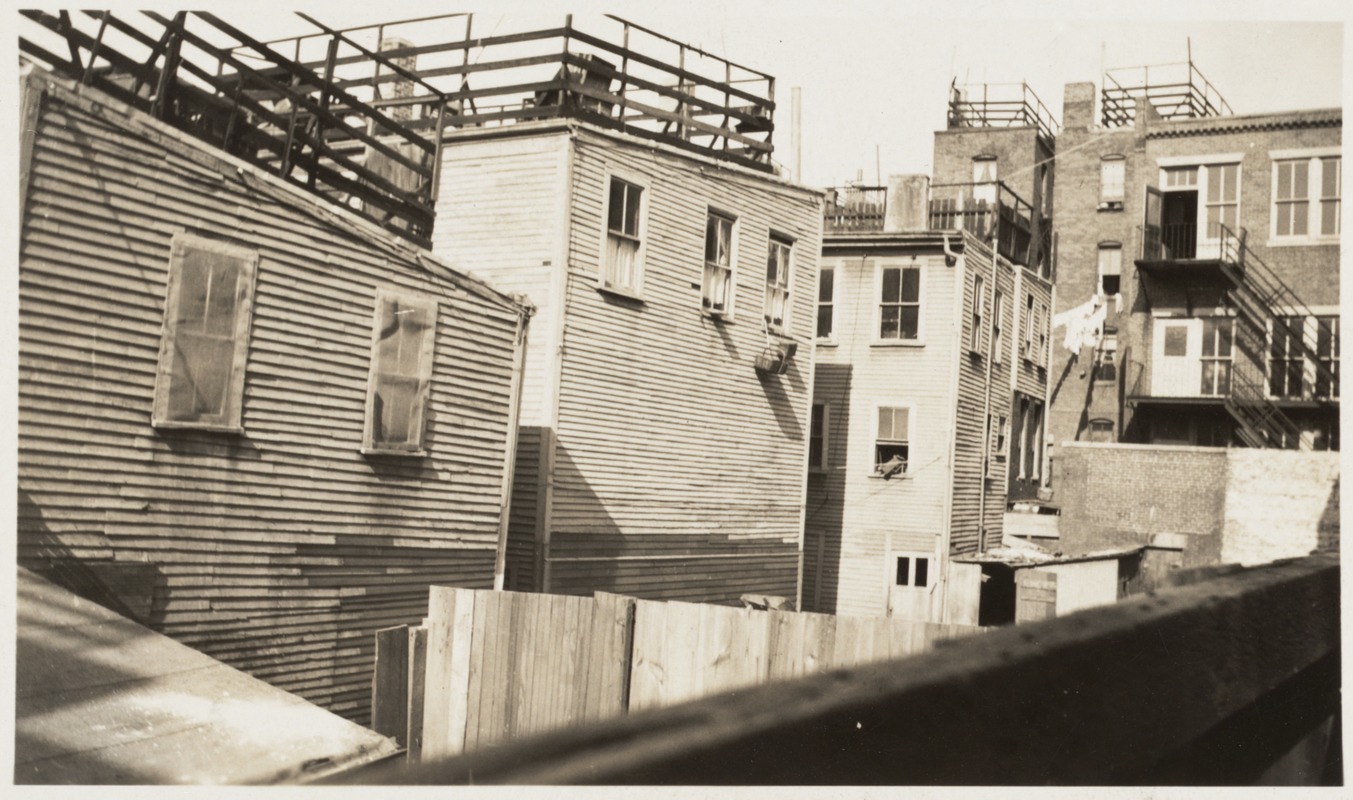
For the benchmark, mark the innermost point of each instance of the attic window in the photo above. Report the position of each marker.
(199, 382)
(401, 373)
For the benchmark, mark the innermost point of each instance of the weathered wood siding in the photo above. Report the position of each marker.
(677, 470)
(282, 549)
(979, 486)
(860, 521)
(501, 214)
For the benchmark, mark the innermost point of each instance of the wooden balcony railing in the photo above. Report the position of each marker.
(1230, 680)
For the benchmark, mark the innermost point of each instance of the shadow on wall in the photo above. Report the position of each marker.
(1328, 532)
(825, 517)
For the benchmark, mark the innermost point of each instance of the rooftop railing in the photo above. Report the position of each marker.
(999, 105)
(1176, 91)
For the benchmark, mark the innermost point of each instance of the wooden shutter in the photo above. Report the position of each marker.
(403, 331)
(204, 344)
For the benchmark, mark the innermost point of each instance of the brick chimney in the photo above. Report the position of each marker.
(1078, 106)
(908, 203)
(402, 87)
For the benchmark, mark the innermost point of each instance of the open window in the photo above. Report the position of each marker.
(403, 334)
(892, 444)
(716, 295)
(199, 382)
(1110, 268)
(779, 262)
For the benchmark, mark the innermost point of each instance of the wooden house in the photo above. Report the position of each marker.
(248, 418)
(665, 407)
(930, 320)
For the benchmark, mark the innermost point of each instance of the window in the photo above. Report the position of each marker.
(716, 296)
(1216, 358)
(1033, 429)
(1331, 178)
(900, 303)
(1327, 353)
(1306, 200)
(997, 343)
(999, 431)
(778, 261)
(984, 177)
(401, 373)
(892, 442)
(1106, 367)
(826, 278)
(817, 438)
(1028, 344)
(622, 266)
(199, 382)
(977, 301)
(1110, 268)
(1285, 362)
(1111, 172)
(1176, 340)
(913, 571)
(1101, 430)
(1044, 321)
(1223, 198)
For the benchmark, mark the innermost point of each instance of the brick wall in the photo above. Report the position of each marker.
(1231, 505)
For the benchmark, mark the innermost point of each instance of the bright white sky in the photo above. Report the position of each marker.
(876, 75)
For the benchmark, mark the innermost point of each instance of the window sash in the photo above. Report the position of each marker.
(826, 289)
(893, 435)
(717, 285)
(1110, 265)
(1216, 359)
(779, 262)
(199, 381)
(817, 437)
(404, 328)
(1287, 367)
(621, 267)
(997, 343)
(1111, 179)
(978, 286)
(1327, 353)
(1331, 176)
(1223, 198)
(900, 303)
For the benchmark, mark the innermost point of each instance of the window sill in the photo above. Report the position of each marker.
(826, 342)
(1302, 241)
(171, 425)
(901, 476)
(1111, 206)
(379, 451)
(623, 294)
(897, 343)
(722, 317)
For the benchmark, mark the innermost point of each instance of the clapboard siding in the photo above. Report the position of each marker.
(279, 550)
(856, 376)
(665, 431)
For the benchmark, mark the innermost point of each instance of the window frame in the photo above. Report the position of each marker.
(1104, 248)
(1216, 358)
(824, 449)
(1291, 354)
(636, 290)
(997, 320)
(231, 420)
(774, 241)
(707, 302)
(1106, 356)
(1028, 326)
(877, 334)
(426, 361)
(910, 408)
(1332, 360)
(1317, 161)
(978, 304)
(829, 304)
(912, 560)
(1110, 202)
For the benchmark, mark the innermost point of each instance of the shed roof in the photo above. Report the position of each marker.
(100, 699)
(1018, 557)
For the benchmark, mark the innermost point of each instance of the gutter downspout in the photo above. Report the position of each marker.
(510, 459)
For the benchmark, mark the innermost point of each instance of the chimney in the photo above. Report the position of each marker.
(403, 87)
(908, 203)
(1078, 106)
(1147, 115)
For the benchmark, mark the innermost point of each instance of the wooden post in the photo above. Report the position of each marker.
(418, 653)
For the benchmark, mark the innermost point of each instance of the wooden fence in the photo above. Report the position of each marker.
(489, 667)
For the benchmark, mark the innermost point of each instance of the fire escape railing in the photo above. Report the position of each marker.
(1262, 301)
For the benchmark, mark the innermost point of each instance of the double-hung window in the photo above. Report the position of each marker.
(900, 304)
(1111, 173)
(1306, 198)
(1327, 354)
(199, 382)
(716, 295)
(892, 445)
(403, 330)
(1028, 345)
(1223, 199)
(622, 265)
(1216, 358)
(779, 260)
(817, 438)
(1286, 364)
(1110, 268)
(826, 294)
(978, 285)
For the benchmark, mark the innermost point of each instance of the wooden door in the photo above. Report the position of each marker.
(1151, 222)
(1035, 595)
(1176, 357)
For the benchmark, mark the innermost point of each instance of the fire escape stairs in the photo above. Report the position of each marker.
(1261, 300)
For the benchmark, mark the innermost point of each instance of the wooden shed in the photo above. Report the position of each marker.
(248, 419)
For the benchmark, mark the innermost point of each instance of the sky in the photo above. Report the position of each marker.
(874, 77)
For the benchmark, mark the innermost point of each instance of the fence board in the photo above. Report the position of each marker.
(418, 652)
(389, 684)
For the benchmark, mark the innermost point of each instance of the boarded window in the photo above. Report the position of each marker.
(208, 309)
(401, 373)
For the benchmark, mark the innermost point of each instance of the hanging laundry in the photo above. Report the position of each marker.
(1077, 322)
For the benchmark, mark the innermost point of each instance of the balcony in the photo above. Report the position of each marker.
(992, 212)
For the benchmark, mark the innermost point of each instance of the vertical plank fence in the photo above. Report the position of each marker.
(490, 667)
